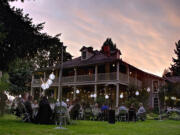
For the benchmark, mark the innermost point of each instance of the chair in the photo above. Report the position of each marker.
(60, 115)
(88, 113)
(122, 115)
(141, 116)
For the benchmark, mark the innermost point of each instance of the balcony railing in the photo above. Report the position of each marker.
(101, 77)
(106, 76)
(86, 78)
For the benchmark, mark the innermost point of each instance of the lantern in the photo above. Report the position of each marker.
(52, 76)
(49, 82)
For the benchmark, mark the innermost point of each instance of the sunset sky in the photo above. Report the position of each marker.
(144, 30)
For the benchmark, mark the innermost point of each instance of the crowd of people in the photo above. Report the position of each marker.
(48, 113)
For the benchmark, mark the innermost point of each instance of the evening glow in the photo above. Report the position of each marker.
(144, 31)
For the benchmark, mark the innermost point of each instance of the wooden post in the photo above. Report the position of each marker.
(32, 81)
(74, 92)
(117, 71)
(117, 95)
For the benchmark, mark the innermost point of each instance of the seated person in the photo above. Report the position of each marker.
(132, 113)
(44, 112)
(123, 111)
(87, 112)
(96, 111)
(123, 108)
(74, 111)
(104, 107)
(35, 108)
(141, 112)
(28, 106)
(104, 110)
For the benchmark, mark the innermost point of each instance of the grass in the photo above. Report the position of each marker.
(9, 125)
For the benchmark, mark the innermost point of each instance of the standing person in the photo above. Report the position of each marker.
(44, 112)
(3, 99)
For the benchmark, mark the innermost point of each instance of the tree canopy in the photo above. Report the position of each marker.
(20, 38)
(175, 68)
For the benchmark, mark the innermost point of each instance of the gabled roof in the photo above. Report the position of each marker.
(97, 58)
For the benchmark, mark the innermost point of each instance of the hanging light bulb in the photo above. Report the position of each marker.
(91, 95)
(121, 96)
(95, 95)
(43, 86)
(52, 76)
(77, 91)
(148, 89)
(67, 100)
(137, 93)
(106, 96)
(49, 82)
(46, 86)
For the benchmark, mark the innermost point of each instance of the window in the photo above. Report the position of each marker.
(83, 55)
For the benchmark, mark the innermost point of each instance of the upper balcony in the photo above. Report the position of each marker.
(100, 78)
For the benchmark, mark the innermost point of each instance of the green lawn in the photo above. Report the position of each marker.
(9, 125)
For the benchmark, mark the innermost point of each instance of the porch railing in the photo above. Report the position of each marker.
(85, 78)
(123, 78)
(106, 76)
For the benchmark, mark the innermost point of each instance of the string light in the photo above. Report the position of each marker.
(52, 76)
(148, 89)
(77, 91)
(121, 96)
(106, 96)
(137, 93)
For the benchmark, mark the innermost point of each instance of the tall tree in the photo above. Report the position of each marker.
(175, 68)
(20, 76)
(23, 38)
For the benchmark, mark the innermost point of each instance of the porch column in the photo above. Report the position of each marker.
(95, 92)
(75, 74)
(96, 79)
(117, 71)
(96, 73)
(59, 92)
(117, 95)
(74, 92)
(32, 81)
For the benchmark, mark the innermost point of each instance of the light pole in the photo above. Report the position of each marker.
(60, 89)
